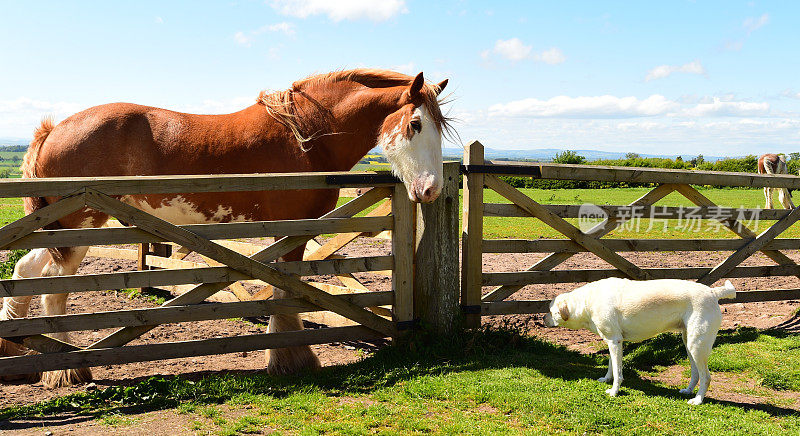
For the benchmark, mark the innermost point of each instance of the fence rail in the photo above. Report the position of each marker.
(225, 267)
(480, 174)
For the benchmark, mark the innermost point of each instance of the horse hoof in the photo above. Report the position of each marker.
(283, 361)
(67, 377)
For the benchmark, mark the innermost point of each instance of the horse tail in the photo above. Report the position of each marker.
(768, 166)
(28, 166)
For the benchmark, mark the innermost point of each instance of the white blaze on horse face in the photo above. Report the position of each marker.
(417, 159)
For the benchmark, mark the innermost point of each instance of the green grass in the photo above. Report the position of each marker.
(529, 228)
(489, 382)
(7, 267)
(504, 228)
(10, 210)
(771, 358)
(153, 295)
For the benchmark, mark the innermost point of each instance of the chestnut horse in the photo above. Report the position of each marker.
(771, 163)
(326, 122)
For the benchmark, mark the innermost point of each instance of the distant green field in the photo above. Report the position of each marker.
(530, 228)
(10, 166)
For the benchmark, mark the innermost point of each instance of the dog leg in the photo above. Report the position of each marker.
(700, 348)
(609, 374)
(695, 375)
(615, 352)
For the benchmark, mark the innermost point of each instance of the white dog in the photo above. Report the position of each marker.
(626, 310)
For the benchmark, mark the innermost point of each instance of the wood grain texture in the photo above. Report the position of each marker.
(472, 234)
(551, 261)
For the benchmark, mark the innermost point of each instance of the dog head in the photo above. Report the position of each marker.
(559, 312)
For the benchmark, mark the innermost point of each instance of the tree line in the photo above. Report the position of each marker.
(747, 164)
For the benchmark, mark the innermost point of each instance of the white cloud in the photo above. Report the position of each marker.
(515, 50)
(791, 94)
(552, 56)
(374, 10)
(20, 116)
(662, 71)
(751, 24)
(242, 39)
(408, 68)
(159, 20)
(512, 49)
(283, 27)
(721, 108)
(246, 39)
(660, 135)
(604, 106)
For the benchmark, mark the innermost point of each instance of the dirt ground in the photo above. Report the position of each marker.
(761, 315)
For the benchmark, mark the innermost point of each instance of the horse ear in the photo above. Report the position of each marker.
(416, 86)
(441, 86)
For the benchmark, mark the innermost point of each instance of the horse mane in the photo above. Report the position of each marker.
(280, 104)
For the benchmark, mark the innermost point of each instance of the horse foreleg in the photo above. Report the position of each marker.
(768, 197)
(785, 198)
(291, 359)
(31, 265)
(65, 262)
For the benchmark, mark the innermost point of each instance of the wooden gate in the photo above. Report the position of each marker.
(229, 266)
(479, 174)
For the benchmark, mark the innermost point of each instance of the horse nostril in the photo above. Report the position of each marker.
(427, 192)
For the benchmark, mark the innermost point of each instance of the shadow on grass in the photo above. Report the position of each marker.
(420, 356)
(668, 349)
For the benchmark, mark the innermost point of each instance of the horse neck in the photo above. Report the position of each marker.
(356, 124)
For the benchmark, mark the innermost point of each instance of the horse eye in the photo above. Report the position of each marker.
(416, 125)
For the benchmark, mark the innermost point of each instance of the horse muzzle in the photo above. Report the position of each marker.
(425, 189)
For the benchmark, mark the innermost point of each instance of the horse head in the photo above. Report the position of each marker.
(411, 139)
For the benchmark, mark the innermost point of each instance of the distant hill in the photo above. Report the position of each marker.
(6, 141)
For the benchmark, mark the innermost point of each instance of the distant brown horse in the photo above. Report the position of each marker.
(326, 122)
(775, 164)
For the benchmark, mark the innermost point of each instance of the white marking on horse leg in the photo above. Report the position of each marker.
(30, 266)
(56, 304)
(785, 198)
(288, 360)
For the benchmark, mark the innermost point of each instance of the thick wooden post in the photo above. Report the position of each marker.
(436, 291)
(472, 237)
(403, 212)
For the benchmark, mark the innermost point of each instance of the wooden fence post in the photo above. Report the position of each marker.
(403, 212)
(436, 291)
(472, 237)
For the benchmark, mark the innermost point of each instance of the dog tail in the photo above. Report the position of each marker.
(727, 291)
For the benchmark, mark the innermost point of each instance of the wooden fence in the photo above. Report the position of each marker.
(423, 263)
(479, 174)
(225, 265)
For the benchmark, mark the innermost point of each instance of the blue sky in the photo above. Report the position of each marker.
(682, 77)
